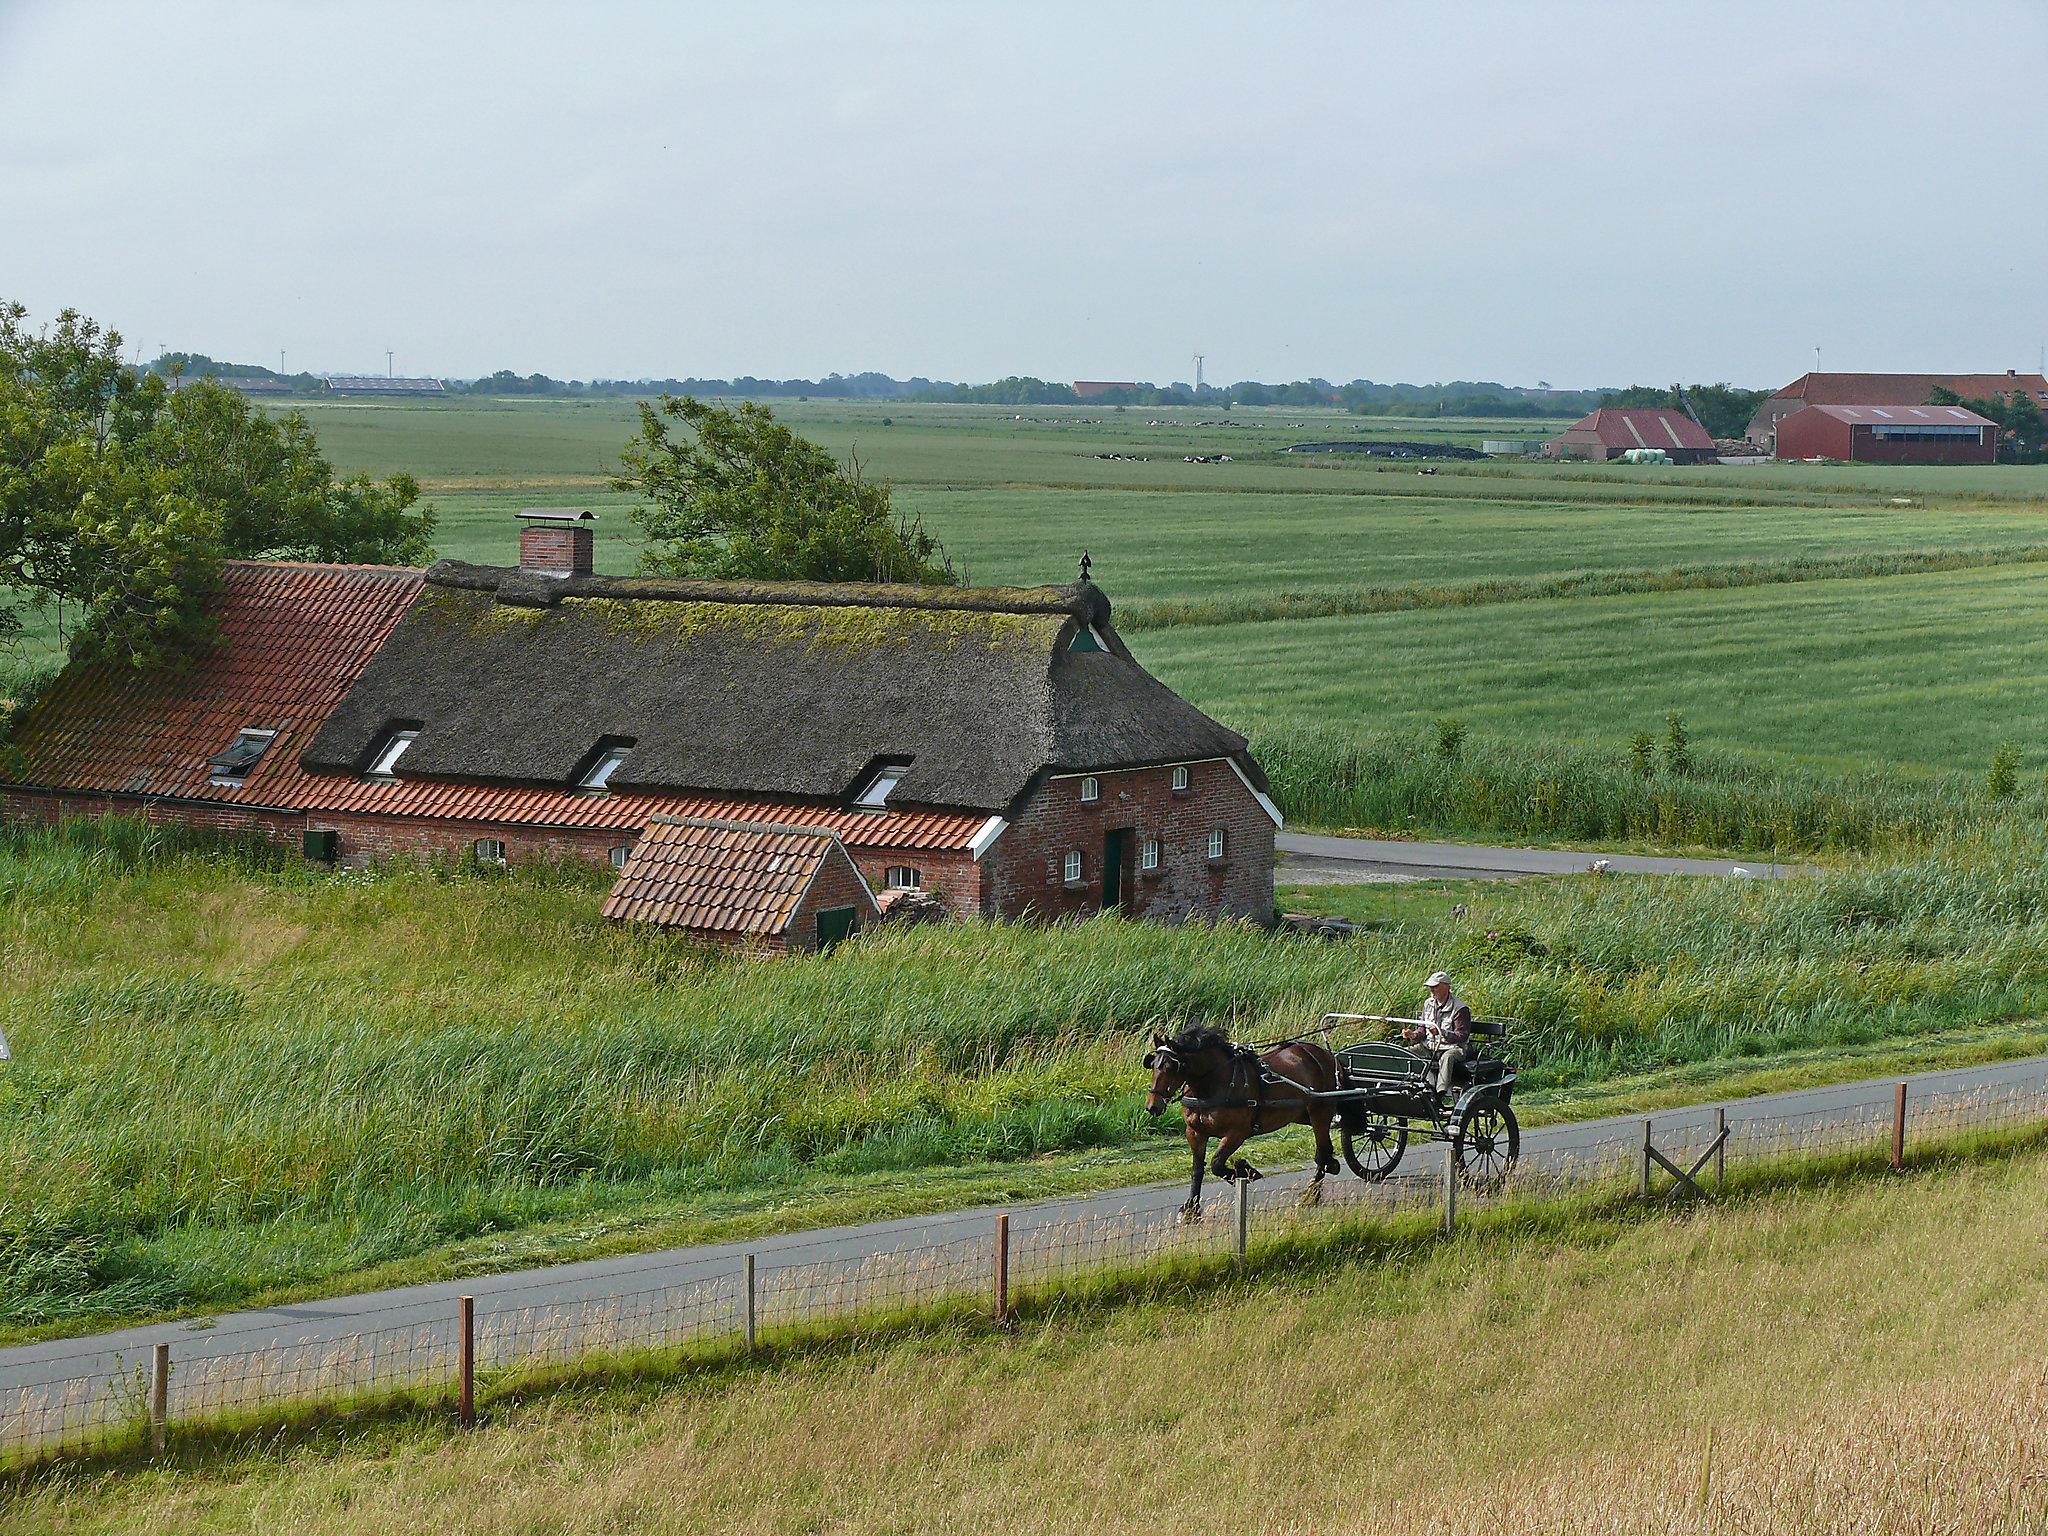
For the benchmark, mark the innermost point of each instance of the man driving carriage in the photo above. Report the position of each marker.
(1444, 1030)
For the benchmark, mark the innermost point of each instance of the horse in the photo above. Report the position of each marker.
(1224, 1093)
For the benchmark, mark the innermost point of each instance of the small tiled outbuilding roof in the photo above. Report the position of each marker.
(724, 877)
(762, 690)
(1627, 427)
(292, 640)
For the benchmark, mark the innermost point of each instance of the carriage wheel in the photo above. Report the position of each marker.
(1486, 1143)
(1375, 1147)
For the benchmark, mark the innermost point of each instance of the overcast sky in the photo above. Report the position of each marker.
(1523, 192)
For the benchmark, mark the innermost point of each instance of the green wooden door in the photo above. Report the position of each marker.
(836, 923)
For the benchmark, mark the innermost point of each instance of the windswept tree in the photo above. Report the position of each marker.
(121, 496)
(734, 494)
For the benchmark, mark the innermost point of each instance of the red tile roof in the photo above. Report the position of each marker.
(1644, 427)
(1908, 388)
(292, 640)
(717, 876)
(1904, 415)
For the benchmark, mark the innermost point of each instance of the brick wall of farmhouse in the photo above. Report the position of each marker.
(206, 816)
(1025, 871)
(367, 839)
(951, 874)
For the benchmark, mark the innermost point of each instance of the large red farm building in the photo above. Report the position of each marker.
(1885, 389)
(997, 749)
(1888, 434)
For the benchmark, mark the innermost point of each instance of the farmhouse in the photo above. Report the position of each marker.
(1884, 389)
(1888, 434)
(1612, 431)
(999, 749)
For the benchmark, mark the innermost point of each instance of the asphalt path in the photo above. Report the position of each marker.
(670, 1283)
(1338, 858)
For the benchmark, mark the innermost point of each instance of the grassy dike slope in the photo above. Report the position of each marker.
(234, 1080)
(1864, 1356)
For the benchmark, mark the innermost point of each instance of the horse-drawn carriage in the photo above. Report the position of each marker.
(1377, 1094)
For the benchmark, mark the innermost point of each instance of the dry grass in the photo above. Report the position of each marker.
(1865, 1357)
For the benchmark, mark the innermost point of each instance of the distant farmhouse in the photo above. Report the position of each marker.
(1095, 389)
(248, 384)
(1883, 389)
(378, 384)
(1613, 431)
(996, 749)
(1888, 434)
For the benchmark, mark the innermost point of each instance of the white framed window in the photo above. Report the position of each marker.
(1148, 853)
(603, 766)
(876, 796)
(1180, 777)
(1070, 867)
(1215, 842)
(1091, 790)
(489, 850)
(620, 854)
(901, 877)
(385, 764)
(232, 764)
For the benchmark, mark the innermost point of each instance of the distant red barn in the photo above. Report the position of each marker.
(1889, 434)
(1612, 431)
(1887, 389)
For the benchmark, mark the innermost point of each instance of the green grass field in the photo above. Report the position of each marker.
(236, 1079)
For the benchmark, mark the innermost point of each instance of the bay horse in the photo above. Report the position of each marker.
(1225, 1094)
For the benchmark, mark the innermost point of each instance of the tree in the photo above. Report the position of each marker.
(120, 497)
(734, 494)
(2022, 432)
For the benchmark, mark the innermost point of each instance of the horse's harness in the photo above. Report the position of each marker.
(1248, 1074)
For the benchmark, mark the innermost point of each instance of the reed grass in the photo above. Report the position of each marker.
(235, 1074)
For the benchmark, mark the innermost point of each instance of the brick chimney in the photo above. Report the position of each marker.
(557, 541)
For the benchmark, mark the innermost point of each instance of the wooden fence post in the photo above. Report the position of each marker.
(752, 1291)
(159, 1397)
(465, 1361)
(1450, 1189)
(1720, 1149)
(1002, 1275)
(1899, 1129)
(1646, 1159)
(1244, 1218)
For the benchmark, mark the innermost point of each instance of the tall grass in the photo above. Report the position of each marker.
(1540, 789)
(231, 1075)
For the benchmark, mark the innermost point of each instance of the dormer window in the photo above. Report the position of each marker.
(384, 766)
(232, 763)
(597, 773)
(875, 797)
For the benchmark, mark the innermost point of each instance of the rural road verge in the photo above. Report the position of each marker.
(679, 1281)
(1313, 856)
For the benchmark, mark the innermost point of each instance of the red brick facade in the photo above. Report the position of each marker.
(1024, 874)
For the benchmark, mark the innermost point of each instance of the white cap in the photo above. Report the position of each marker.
(1438, 979)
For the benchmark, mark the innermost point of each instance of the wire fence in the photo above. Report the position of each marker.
(432, 1344)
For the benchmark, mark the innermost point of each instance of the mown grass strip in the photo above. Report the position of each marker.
(1195, 612)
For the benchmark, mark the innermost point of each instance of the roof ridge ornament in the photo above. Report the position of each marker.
(1085, 563)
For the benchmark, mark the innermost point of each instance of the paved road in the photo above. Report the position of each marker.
(1307, 853)
(670, 1284)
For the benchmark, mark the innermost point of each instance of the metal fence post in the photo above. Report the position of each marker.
(1244, 1217)
(1899, 1129)
(751, 1292)
(159, 1396)
(1720, 1148)
(465, 1361)
(1002, 1263)
(1450, 1189)
(1646, 1159)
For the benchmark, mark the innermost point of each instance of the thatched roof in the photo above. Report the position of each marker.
(791, 689)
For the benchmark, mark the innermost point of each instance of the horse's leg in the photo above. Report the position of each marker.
(1198, 1144)
(1220, 1164)
(1326, 1154)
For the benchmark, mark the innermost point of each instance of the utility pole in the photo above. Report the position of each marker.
(387, 362)
(280, 361)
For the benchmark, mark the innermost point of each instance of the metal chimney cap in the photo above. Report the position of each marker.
(557, 515)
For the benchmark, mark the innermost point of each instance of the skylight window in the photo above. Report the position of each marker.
(603, 766)
(385, 764)
(232, 764)
(876, 796)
